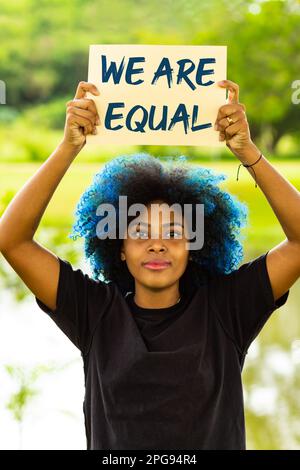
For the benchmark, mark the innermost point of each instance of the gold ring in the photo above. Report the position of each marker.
(229, 120)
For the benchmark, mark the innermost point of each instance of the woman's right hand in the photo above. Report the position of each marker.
(81, 117)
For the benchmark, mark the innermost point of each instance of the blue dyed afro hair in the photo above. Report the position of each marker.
(144, 178)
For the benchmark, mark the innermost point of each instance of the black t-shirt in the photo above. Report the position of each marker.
(169, 378)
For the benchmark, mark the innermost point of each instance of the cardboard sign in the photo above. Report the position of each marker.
(157, 95)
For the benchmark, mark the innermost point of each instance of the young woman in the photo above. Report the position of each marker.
(163, 330)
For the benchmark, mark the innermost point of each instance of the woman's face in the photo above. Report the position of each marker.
(168, 243)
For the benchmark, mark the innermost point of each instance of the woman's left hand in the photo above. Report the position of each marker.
(232, 122)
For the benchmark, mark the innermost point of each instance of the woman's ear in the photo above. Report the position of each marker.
(122, 254)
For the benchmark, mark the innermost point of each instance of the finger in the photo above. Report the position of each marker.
(223, 123)
(229, 109)
(234, 128)
(84, 104)
(233, 90)
(81, 122)
(83, 87)
(84, 113)
(222, 136)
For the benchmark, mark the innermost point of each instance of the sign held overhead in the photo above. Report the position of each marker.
(161, 95)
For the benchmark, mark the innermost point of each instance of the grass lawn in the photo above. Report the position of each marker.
(262, 232)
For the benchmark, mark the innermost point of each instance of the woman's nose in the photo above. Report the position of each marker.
(156, 245)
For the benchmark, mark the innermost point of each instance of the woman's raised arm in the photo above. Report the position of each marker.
(37, 266)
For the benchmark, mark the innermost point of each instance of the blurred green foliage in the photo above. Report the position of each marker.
(45, 45)
(25, 379)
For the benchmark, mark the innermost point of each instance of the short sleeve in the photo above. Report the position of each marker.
(243, 301)
(80, 304)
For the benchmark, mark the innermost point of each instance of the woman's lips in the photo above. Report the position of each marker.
(156, 266)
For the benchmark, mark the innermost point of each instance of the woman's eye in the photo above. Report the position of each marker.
(137, 233)
(145, 234)
(178, 234)
(141, 234)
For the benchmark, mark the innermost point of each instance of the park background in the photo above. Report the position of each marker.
(43, 56)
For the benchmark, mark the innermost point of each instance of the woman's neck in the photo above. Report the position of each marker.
(148, 298)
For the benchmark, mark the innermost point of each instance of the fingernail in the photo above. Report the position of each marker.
(97, 121)
(96, 90)
(216, 127)
(221, 82)
(94, 131)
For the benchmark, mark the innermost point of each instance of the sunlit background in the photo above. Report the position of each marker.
(43, 56)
